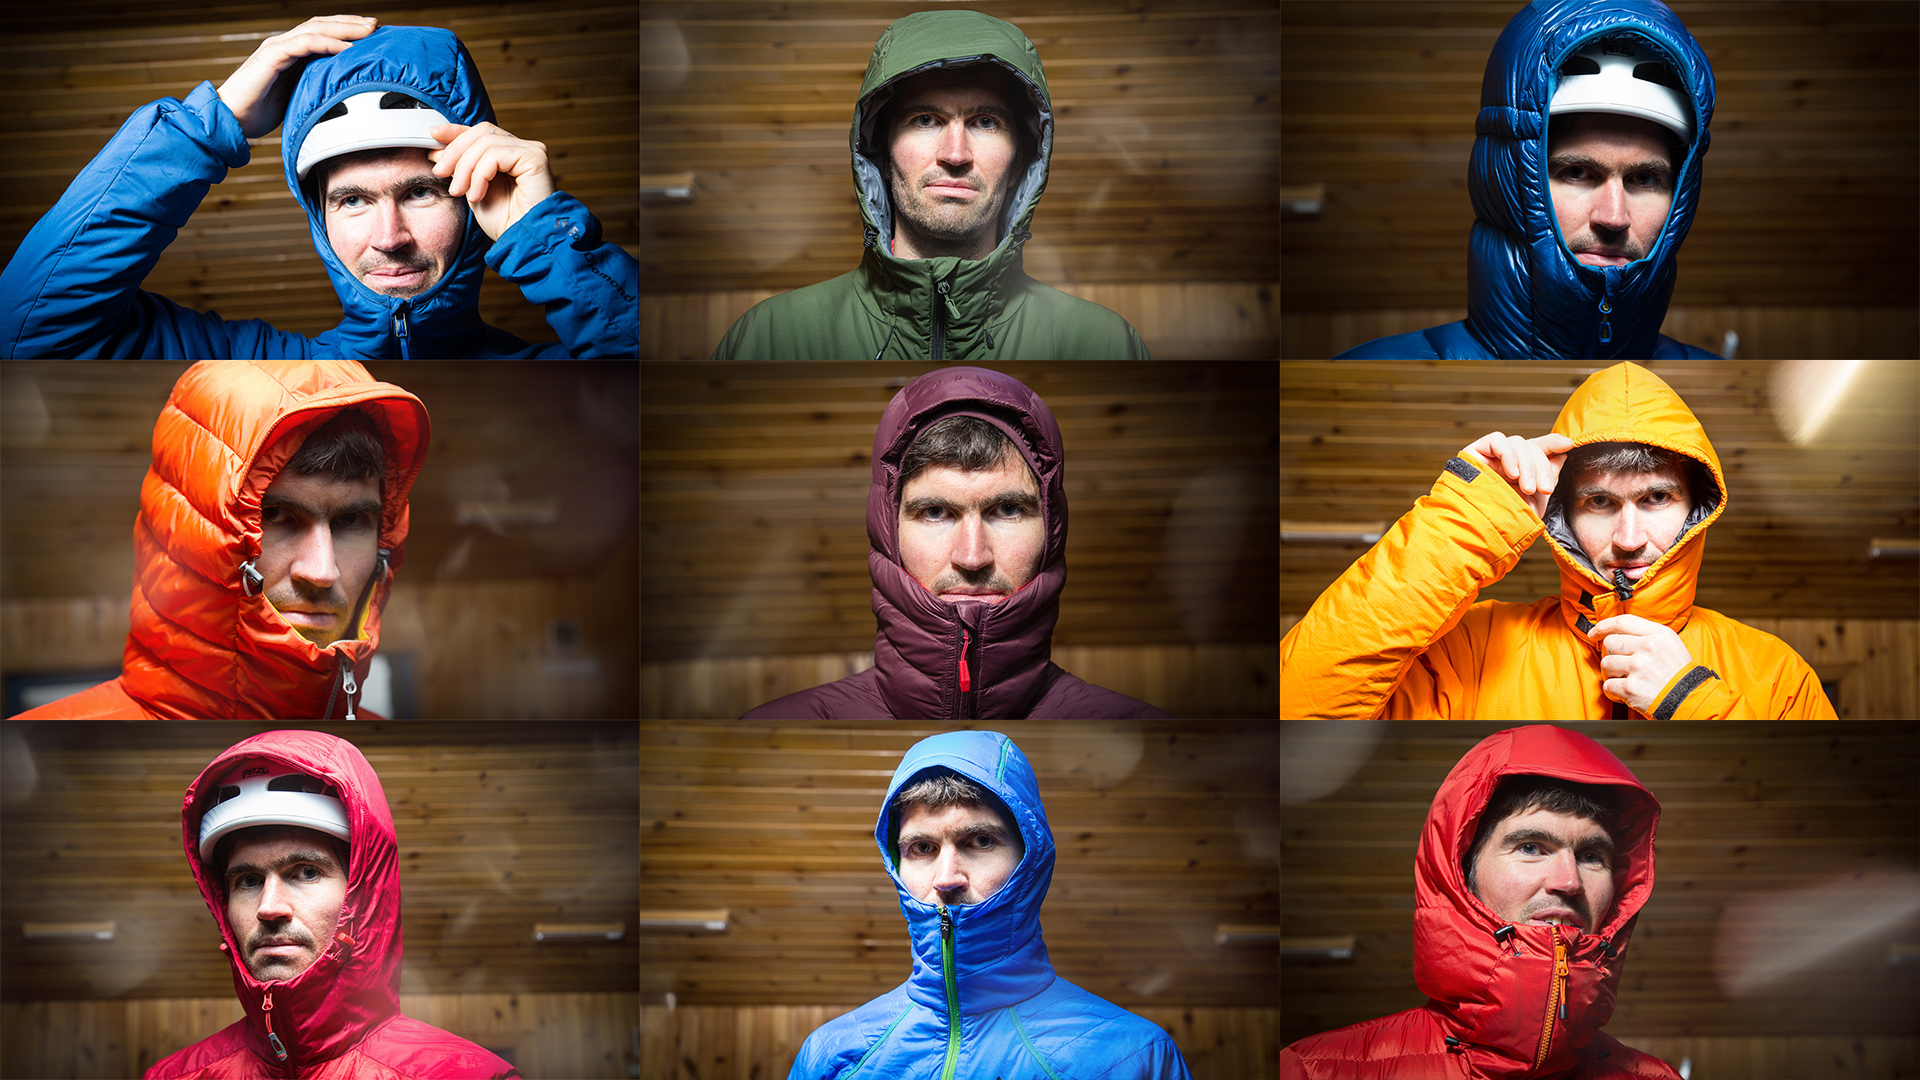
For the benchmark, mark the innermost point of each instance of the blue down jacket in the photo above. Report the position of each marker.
(1526, 294)
(1004, 1013)
(73, 288)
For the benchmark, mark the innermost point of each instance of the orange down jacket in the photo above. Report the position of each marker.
(1500, 1004)
(1400, 636)
(202, 644)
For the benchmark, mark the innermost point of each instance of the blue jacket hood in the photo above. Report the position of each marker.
(1527, 295)
(432, 65)
(999, 956)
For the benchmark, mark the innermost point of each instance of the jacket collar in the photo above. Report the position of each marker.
(999, 956)
(354, 986)
(970, 294)
(1490, 984)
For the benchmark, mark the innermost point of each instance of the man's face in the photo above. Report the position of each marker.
(972, 536)
(956, 854)
(1540, 866)
(391, 221)
(1625, 521)
(1612, 183)
(952, 144)
(284, 890)
(319, 541)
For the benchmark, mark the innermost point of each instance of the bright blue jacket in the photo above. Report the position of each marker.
(1526, 294)
(1014, 1017)
(73, 287)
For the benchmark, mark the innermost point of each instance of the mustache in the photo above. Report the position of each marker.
(290, 595)
(259, 942)
(949, 582)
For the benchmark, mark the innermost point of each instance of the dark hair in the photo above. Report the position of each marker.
(1630, 457)
(1523, 794)
(346, 447)
(940, 789)
(967, 443)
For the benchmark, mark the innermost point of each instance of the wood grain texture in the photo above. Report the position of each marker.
(754, 487)
(562, 74)
(1163, 166)
(1815, 130)
(1750, 812)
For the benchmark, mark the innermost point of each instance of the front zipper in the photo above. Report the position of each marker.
(266, 1012)
(964, 703)
(400, 331)
(940, 319)
(1556, 998)
(953, 994)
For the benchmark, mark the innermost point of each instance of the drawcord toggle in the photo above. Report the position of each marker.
(1622, 587)
(250, 579)
(347, 683)
(1606, 328)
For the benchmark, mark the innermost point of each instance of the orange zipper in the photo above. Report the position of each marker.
(1556, 998)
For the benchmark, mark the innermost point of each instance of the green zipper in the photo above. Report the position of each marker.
(953, 995)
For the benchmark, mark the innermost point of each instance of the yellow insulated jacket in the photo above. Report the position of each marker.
(1399, 635)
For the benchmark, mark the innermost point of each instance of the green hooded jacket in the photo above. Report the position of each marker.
(947, 308)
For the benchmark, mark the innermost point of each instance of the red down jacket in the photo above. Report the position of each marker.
(1491, 987)
(339, 1019)
(933, 660)
(201, 647)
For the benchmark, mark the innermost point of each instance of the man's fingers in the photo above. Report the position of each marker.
(1555, 443)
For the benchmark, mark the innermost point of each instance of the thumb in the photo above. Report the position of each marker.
(1555, 443)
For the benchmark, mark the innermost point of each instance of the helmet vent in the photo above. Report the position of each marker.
(231, 791)
(1583, 65)
(395, 100)
(1657, 73)
(339, 110)
(297, 782)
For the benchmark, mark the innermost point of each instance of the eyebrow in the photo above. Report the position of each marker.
(989, 108)
(1668, 486)
(1592, 841)
(1556, 162)
(284, 861)
(1029, 503)
(315, 513)
(424, 179)
(968, 832)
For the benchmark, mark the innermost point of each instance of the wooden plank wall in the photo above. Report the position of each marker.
(754, 483)
(500, 825)
(1751, 813)
(1815, 132)
(1165, 832)
(1765, 332)
(1184, 680)
(1804, 1057)
(1201, 320)
(547, 1035)
(1360, 442)
(562, 74)
(746, 1042)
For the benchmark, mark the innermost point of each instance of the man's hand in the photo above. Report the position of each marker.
(1530, 466)
(257, 95)
(501, 176)
(1637, 657)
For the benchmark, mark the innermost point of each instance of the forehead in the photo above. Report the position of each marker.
(948, 819)
(947, 482)
(1604, 135)
(1629, 483)
(377, 173)
(270, 843)
(321, 490)
(955, 89)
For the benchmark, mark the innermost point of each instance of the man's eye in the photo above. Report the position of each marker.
(1659, 497)
(933, 513)
(1598, 503)
(988, 122)
(923, 120)
(307, 873)
(1524, 849)
(274, 515)
(352, 522)
(425, 191)
(247, 881)
(986, 841)
(1597, 858)
(1012, 510)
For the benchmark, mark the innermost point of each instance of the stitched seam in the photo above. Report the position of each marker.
(878, 1043)
(1031, 1049)
(1700, 673)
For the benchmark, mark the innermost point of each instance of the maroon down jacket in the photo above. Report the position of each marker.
(939, 661)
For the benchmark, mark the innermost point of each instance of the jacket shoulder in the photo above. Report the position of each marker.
(1044, 318)
(842, 1042)
(223, 1053)
(107, 701)
(1447, 341)
(1070, 697)
(1080, 1031)
(417, 1050)
(1669, 349)
(812, 322)
(1392, 1047)
(856, 697)
(1615, 1060)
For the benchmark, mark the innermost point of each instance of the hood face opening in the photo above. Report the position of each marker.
(1560, 529)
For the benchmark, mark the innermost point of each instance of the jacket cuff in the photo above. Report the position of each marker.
(1685, 683)
(224, 139)
(1509, 515)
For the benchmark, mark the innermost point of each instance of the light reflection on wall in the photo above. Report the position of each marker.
(1766, 938)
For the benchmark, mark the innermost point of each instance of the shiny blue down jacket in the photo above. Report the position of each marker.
(73, 287)
(1016, 1019)
(1527, 295)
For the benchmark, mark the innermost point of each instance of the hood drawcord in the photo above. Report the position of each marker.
(1622, 587)
(400, 331)
(266, 1013)
(883, 345)
(251, 581)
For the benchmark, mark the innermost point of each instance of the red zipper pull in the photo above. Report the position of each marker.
(966, 681)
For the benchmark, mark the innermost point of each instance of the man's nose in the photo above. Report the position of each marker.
(948, 874)
(971, 548)
(390, 232)
(274, 905)
(1610, 206)
(955, 146)
(313, 560)
(1563, 875)
(1629, 532)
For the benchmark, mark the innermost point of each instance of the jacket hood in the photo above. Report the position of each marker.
(1628, 403)
(204, 642)
(1527, 295)
(432, 65)
(999, 957)
(923, 640)
(1491, 983)
(904, 288)
(355, 984)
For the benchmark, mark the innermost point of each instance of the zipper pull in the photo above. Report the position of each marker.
(946, 923)
(266, 1010)
(1622, 587)
(400, 330)
(1560, 970)
(348, 684)
(1606, 328)
(966, 684)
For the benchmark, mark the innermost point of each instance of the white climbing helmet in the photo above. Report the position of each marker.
(369, 121)
(1626, 76)
(264, 793)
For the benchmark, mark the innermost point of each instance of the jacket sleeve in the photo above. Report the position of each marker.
(73, 287)
(1697, 692)
(1366, 647)
(589, 287)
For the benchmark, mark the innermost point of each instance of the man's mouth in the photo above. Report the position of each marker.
(315, 619)
(953, 189)
(396, 277)
(991, 596)
(278, 947)
(1633, 570)
(1602, 257)
(1557, 918)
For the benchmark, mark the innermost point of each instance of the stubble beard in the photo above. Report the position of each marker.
(950, 226)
